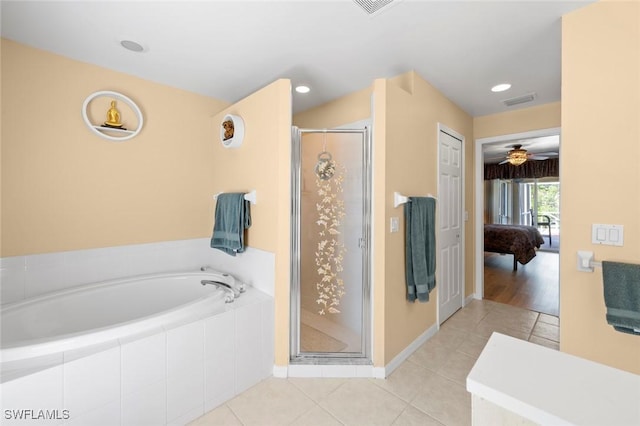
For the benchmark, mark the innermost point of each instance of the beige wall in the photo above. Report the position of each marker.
(545, 116)
(347, 109)
(600, 133)
(263, 163)
(254, 164)
(409, 110)
(64, 188)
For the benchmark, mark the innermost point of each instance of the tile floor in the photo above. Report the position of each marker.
(427, 389)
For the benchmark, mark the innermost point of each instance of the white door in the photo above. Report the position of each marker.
(449, 265)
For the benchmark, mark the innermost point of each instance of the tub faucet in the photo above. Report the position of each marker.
(236, 286)
(231, 292)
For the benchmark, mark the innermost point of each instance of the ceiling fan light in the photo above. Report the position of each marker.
(517, 157)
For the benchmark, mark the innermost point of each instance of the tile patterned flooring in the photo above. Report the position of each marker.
(427, 389)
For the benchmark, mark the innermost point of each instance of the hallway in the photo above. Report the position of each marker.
(427, 389)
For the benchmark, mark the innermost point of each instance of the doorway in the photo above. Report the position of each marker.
(480, 214)
(330, 289)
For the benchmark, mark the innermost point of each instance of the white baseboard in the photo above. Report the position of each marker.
(469, 299)
(316, 370)
(280, 371)
(406, 352)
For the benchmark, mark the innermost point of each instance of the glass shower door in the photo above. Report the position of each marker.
(330, 270)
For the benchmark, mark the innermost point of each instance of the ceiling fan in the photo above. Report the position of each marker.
(519, 155)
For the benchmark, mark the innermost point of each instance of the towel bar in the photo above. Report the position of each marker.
(251, 196)
(398, 199)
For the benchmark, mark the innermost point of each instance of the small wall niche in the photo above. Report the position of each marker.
(231, 131)
(95, 115)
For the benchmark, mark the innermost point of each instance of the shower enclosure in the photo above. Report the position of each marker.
(330, 290)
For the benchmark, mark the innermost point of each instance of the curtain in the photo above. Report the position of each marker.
(530, 169)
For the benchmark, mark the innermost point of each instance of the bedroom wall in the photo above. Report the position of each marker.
(64, 188)
(600, 134)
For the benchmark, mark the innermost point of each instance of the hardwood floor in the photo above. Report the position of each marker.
(534, 286)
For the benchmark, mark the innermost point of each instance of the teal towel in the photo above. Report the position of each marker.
(622, 296)
(232, 217)
(420, 250)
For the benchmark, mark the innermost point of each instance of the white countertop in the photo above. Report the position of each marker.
(551, 387)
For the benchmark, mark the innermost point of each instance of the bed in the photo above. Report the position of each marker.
(519, 240)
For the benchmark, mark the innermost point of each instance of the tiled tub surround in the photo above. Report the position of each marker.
(168, 375)
(24, 277)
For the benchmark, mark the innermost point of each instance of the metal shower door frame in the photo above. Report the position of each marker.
(295, 355)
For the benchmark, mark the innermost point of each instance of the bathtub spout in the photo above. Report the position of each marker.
(231, 292)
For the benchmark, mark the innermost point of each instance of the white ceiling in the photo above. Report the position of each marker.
(229, 49)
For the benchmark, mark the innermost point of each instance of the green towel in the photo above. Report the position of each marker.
(232, 217)
(622, 296)
(420, 250)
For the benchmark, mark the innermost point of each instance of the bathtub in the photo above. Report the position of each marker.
(99, 313)
(168, 324)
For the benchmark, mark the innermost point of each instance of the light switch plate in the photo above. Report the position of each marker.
(395, 224)
(611, 235)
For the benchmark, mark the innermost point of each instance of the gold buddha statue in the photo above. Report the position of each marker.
(113, 116)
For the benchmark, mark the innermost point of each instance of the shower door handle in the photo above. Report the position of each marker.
(361, 243)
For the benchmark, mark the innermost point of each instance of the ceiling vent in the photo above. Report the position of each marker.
(373, 7)
(519, 99)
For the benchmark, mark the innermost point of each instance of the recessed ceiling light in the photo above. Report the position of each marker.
(132, 45)
(501, 87)
(303, 89)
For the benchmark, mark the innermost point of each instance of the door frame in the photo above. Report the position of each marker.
(479, 196)
(463, 212)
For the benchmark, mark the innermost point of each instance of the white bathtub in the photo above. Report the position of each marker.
(99, 313)
(168, 324)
